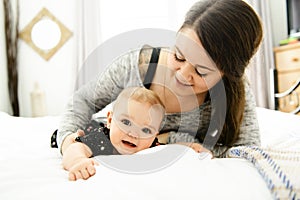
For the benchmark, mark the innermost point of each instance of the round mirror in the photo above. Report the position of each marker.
(46, 34)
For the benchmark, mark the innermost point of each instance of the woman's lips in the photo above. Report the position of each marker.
(183, 83)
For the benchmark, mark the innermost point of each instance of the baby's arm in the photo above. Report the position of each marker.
(76, 159)
(83, 169)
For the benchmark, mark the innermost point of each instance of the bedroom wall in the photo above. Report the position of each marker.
(55, 76)
(279, 20)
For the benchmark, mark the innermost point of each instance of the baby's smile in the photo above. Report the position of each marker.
(128, 144)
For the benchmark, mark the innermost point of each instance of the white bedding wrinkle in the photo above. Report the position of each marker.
(31, 170)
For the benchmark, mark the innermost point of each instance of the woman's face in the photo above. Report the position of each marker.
(192, 71)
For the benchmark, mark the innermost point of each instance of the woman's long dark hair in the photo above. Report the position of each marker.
(231, 32)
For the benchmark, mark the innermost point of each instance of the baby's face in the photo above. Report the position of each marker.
(134, 126)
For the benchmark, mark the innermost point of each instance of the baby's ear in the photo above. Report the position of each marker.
(109, 118)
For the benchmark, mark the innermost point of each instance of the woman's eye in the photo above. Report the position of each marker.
(199, 72)
(126, 122)
(178, 58)
(147, 131)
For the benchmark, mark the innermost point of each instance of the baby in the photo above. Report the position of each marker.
(133, 125)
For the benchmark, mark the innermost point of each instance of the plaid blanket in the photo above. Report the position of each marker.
(278, 164)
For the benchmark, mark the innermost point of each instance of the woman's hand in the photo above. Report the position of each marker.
(163, 138)
(196, 146)
(83, 169)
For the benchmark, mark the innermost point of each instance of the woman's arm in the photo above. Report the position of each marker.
(249, 130)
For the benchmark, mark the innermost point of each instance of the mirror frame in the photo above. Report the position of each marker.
(25, 34)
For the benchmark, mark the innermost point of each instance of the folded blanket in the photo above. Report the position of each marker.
(278, 164)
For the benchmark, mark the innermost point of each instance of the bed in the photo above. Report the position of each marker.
(30, 169)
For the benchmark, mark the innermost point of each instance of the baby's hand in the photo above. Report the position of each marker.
(84, 169)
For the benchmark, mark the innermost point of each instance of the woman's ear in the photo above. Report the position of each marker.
(109, 118)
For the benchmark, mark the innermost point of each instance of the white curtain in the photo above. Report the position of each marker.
(88, 37)
(8, 93)
(263, 62)
(4, 101)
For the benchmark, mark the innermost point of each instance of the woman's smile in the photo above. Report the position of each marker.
(181, 82)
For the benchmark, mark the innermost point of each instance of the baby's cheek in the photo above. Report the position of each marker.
(114, 137)
(145, 143)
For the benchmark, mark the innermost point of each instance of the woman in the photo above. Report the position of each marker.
(200, 81)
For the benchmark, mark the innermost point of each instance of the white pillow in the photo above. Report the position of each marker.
(277, 126)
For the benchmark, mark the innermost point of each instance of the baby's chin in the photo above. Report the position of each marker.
(123, 151)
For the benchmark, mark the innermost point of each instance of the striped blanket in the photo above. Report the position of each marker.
(278, 164)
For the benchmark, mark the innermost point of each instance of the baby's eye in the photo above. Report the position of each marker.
(126, 122)
(147, 131)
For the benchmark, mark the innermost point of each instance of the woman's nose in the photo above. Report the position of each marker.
(186, 71)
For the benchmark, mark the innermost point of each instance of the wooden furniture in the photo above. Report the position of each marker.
(287, 89)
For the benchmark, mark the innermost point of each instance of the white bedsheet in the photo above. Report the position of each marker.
(277, 126)
(30, 169)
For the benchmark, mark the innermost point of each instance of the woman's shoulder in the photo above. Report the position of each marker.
(250, 103)
(144, 59)
(139, 56)
(248, 89)
(145, 54)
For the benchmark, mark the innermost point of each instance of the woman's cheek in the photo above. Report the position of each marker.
(171, 62)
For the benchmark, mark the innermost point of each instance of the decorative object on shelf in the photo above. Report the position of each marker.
(38, 101)
(45, 34)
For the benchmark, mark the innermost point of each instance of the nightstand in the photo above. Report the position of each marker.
(287, 62)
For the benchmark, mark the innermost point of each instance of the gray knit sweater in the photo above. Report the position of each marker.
(125, 72)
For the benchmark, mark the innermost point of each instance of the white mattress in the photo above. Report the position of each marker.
(30, 169)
